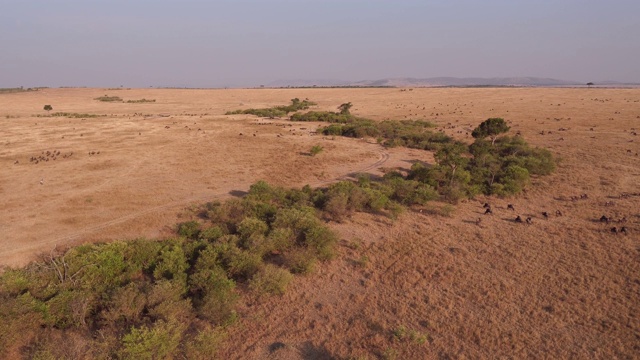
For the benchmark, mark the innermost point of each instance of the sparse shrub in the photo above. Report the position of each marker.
(363, 261)
(107, 98)
(276, 111)
(315, 150)
(69, 115)
(141, 101)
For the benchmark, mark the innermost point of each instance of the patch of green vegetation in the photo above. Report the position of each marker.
(107, 98)
(276, 111)
(70, 115)
(18, 90)
(141, 101)
(494, 164)
(500, 166)
(147, 299)
(315, 150)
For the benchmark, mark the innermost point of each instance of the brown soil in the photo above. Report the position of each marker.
(563, 287)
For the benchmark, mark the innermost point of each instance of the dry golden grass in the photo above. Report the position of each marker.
(563, 287)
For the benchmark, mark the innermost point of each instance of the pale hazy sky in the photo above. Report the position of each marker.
(192, 43)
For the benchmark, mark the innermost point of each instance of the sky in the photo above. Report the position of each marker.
(234, 43)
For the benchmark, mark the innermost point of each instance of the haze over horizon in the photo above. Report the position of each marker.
(251, 42)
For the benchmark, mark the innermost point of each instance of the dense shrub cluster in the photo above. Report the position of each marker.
(276, 111)
(493, 164)
(502, 166)
(162, 299)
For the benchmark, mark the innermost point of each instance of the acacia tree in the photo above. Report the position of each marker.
(451, 156)
(48, 108)
(492, 128)
(344, 108)
(590, 84)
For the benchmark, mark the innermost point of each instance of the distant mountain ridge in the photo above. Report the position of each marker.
(471, 81)
(439, 81)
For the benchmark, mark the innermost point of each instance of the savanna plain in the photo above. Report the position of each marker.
(439, 280)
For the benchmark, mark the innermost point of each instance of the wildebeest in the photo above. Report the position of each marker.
(558, 213)
(604, 219)
(510, 207)
(518, 219)
(486, 205)
(488, 211)
(545, 214)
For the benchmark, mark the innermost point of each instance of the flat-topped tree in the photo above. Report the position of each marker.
(48, 108)
(490, 128)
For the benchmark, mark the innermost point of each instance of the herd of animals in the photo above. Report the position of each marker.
(620, 229)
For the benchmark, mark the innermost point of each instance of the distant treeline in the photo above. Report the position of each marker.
(19, 90)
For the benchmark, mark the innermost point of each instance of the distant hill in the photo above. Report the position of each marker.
(453, 81)
(430, 82)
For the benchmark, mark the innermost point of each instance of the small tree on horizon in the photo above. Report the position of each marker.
(590, 84)
(48, 108)
(492, 128)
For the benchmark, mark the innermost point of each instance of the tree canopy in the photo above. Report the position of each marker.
(490, 128)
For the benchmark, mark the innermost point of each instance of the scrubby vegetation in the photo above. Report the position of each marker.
(107, 98)
(162, 299)
(141, 101)
(493, 164)
(276, 111)
(69, 115)
(315, 150)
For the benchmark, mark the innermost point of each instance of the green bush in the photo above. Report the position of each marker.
(271, 280)
(107, 98)
(189, 229)
(160, 341)
(141, 101)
